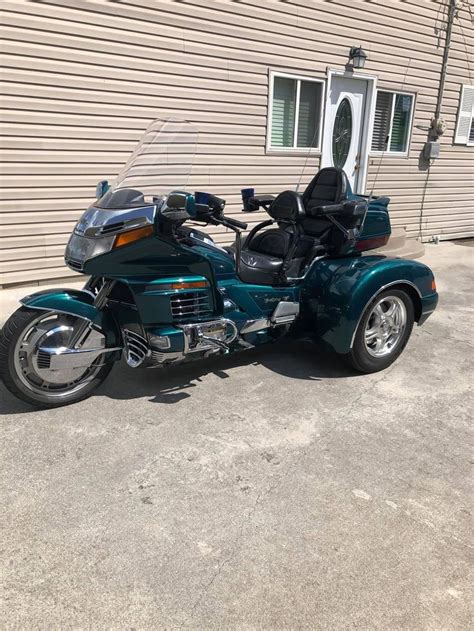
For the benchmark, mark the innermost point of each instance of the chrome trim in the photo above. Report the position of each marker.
(22, 302)
(252, 326)
(136, 348)
(70, 358)
(157, 358)
(395, 282)
(277, 318)
(100, 222)
(198, 338)
(315, 260)
(190, 303)
(285, 312)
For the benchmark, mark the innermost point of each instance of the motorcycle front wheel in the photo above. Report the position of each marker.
(24, 368)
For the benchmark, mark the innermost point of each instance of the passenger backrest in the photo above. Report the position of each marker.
(329, 186)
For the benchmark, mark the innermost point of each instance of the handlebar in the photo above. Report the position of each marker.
(234, 223)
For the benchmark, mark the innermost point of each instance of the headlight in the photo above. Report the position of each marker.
(81, 249)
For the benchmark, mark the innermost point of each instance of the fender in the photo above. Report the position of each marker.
(337, 291)
(78, 303)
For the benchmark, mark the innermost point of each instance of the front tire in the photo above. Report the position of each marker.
(20, 365)
(383, 331)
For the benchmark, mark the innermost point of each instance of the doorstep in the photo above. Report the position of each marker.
(399, 245)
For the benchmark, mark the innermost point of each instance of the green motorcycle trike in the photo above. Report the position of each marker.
(160, 291)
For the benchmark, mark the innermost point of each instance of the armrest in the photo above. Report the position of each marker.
(349, 208)
(328, 209)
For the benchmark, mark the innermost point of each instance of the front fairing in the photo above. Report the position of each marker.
(96, 231)
(146, 266)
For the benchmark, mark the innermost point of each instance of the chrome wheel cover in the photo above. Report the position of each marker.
(385, 326)
(52, 330)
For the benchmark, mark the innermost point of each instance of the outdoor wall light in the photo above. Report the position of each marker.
(357, 56)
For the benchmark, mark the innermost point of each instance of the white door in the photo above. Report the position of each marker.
(343, 140)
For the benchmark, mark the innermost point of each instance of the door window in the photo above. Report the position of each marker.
(342, 134)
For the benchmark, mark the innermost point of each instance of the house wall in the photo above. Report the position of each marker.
(82, 79)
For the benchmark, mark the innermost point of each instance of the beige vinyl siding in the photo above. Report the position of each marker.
(82, 79)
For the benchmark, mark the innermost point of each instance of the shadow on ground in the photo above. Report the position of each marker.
(295, 360)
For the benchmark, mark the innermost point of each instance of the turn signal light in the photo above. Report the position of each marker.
(433, 285)
(194, 284)
(132, 235)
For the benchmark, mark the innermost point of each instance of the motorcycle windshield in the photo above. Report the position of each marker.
(161, 162)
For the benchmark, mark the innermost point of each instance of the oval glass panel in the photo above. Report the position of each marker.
(342, 134)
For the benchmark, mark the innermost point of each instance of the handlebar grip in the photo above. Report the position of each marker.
(236, 223)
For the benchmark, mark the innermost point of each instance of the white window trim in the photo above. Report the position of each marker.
(467, 143)
(470, 143)
(294, 150)
(387, 152)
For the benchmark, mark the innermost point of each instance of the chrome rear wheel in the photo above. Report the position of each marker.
(385, 326)
(383, 331)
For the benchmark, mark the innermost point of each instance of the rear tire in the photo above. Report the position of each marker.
(383, 331)
(11, 336)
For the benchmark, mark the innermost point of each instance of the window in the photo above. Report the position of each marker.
(392, 122)
(295, 112)
(465, 125)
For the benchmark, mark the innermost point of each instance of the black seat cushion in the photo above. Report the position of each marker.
(329, 186)
(262, 269)
(259, 269)
(262, 258)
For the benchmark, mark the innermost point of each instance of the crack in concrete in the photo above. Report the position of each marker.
(355, 401)
(233, 551)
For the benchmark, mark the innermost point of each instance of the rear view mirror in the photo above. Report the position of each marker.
(179, 206)
(101, 189)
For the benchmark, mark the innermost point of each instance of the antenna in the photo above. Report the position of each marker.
(386, 143)
(316, 132)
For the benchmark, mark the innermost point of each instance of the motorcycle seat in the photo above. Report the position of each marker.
(271, 256)
(263, 256)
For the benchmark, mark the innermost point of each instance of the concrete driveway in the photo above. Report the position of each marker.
(274, 489)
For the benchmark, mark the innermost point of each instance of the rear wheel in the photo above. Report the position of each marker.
(25, 368)
(383, 331)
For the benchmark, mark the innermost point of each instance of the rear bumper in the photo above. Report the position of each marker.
(428, 305)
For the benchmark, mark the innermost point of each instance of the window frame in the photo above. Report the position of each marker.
(298, 79)
(387, 152)
(468, 143)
